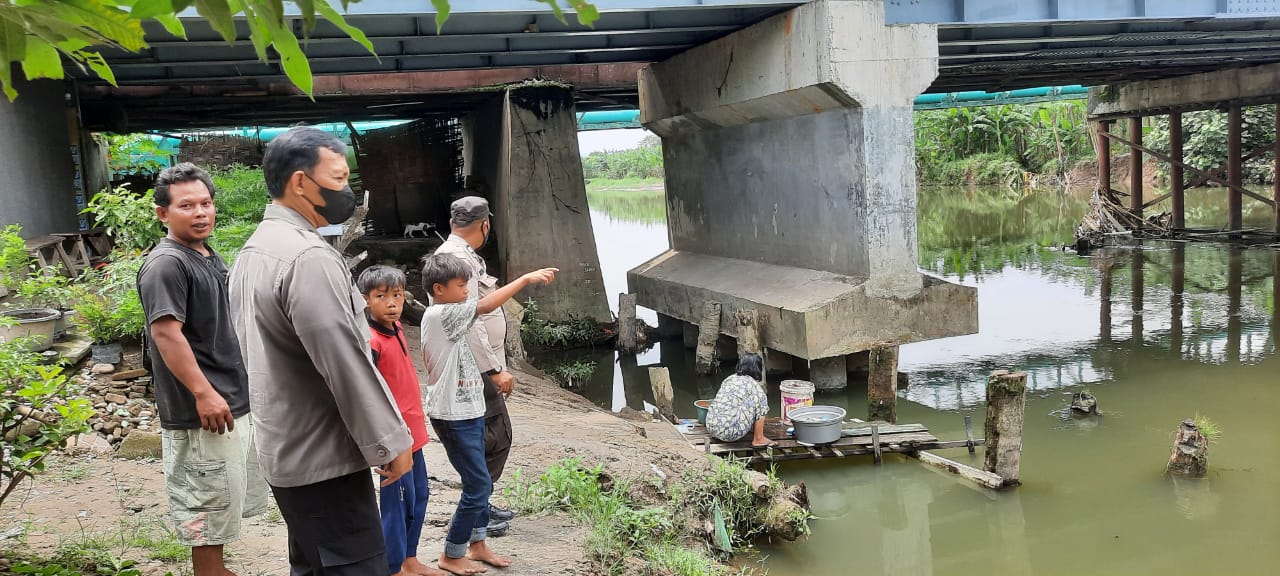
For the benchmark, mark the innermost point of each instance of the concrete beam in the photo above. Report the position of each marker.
(806, 313)
(1241, 86)
(581, 76)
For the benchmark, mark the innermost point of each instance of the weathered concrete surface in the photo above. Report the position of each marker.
(806, 313)
(828, 373)
(790, 142)
(539, 199)
(1245, 86)
(37, 190)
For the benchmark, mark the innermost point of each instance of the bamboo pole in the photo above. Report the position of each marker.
(1176, 177)
(1006, 406)
(1234, 168)
(1135, 167)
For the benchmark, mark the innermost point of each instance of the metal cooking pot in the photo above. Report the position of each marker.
(817, 424)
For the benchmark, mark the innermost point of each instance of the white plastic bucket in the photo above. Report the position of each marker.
(795, 393)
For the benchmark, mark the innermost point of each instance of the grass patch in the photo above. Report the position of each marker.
(1208, 428)
(665, 532)
(573, 374)
(72, 472)
(540, 333)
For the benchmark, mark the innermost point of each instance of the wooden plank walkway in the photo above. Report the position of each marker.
(857, 439)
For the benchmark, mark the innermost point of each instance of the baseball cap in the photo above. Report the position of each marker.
(469, 209)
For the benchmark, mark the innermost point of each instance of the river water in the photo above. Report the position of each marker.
(1195, 338)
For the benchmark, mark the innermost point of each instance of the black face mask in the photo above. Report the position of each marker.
(339, 205)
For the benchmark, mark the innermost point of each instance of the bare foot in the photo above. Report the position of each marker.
(480, 552)
(412, 566)
(460, 566)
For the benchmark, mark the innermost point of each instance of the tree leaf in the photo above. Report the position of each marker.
(259, 31)
(587, 12)
(308, 10)
(172, 25)
(218, 13)
(442, 13)
(332, 15)
(13, 41)
(42, 61)
(292, 59)
(99, 66)
(145, 9)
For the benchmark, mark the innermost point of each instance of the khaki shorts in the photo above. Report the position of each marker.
(213, 481)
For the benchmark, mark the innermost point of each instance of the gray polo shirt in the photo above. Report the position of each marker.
(320, 408)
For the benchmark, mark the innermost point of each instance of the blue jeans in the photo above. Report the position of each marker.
(463, 441)
(404, 507)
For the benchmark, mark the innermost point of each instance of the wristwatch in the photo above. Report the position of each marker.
(491, 373)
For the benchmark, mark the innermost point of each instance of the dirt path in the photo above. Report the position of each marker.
(120, 505)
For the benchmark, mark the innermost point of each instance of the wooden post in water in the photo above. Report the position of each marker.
(1190, 455)
(1235, 220)
(1104, 158)
(708, 334)
(882, 383)
(1135, 167)
(627, 323)
(1006, 405)
(968, 432)
(1176, 181)
(748, 333)
(663, 395)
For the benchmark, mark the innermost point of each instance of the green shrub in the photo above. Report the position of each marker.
(129, 218)
(39, 410)
(540, 333)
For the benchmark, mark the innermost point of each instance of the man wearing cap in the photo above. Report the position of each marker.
(469, 229)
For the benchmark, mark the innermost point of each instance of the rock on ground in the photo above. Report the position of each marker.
(139, 445)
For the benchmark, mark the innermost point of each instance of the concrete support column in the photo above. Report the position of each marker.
(526, 156)
(828, 373)
(790, 182)
(776, 362)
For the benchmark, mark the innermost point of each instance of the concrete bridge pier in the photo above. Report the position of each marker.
(521, 148)
(790, 182)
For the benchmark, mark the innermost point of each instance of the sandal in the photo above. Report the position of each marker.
(769, 444)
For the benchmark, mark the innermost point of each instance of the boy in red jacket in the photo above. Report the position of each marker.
(404, 503)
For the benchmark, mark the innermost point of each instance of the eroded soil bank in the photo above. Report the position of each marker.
(96, 500)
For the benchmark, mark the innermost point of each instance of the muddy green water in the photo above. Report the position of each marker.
(1196, 338)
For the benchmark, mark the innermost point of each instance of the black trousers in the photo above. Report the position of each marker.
(334, 527)
(497, 430)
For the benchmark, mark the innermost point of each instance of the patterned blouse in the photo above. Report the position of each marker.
(739, 403)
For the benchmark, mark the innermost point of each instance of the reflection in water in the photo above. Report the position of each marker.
(1185, 329)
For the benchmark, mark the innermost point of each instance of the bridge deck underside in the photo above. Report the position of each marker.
(227, 85)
